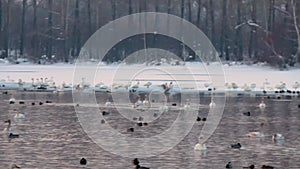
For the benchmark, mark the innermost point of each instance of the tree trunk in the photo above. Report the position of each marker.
(212, 17)
(97, 14)
(1, 28)
(182, 50)
(89, 17)
(23, 28)
(199, 13)
(169, 6)
(76, 31)
(224, 30)
(34, 30)
(50, 36)
(190, 10)
(238, 34)
(182, 9)
(271, 15)
(253, 39)
(7, 32)
(66, 32)
(206, 27)
(130, 7)
(113, 8)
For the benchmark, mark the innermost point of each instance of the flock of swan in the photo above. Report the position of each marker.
(48, 84)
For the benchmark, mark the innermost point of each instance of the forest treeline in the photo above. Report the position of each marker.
(241, 30)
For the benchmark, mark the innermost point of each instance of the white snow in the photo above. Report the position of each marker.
(189, 75)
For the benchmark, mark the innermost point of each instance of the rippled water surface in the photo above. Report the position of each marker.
(51, 136)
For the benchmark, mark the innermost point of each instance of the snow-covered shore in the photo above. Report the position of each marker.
(122, 74)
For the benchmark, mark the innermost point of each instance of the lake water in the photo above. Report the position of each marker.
(51, 136)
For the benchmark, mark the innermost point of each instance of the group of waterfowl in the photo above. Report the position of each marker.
(164, 108)
(256, 134)
(11, 135)
(17, 116)
(252, 166)
(265, 86)
(44, 83)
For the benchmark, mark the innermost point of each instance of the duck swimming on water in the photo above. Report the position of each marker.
(249, 167)
(228, 165)
(136, 162)
(236, 146)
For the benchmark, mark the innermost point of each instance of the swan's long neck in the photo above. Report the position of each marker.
(8, 126)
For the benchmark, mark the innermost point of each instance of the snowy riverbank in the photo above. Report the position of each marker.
(241, 75)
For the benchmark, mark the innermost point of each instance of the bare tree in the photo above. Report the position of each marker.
(253, 38)
(50, 32)
(76, 31)
(66, 29)
(223, 37)
(199, 13)
(89, 11)
(7, 29)
(295, 20)
(271, 15)
(130, 7)
(212, 19)
(190, 11)
(182, 6)
(23, 28)
(1, 28)
(34, 30)
(113, 9)
(238, 34)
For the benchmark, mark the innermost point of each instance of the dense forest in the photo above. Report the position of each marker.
(241, 30)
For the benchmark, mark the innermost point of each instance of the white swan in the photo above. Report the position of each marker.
(266, 85)
(255, 134)
(146, 101)
(207, 85)
(84, 84)
(281, 86)
(200, 147)
(108, 103)
(262, 105)
(7, 130)
(228, 85)
(186, 106)
(37, 83)
(138, 102)
(296, 85)
(19, 116)
(148, 84)
(246, 88)
(21, 83)
(277, 137)
(136, 85)
(234, 86)
(12, 166)
(164, 108)
(253, 86)
(212, 104)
